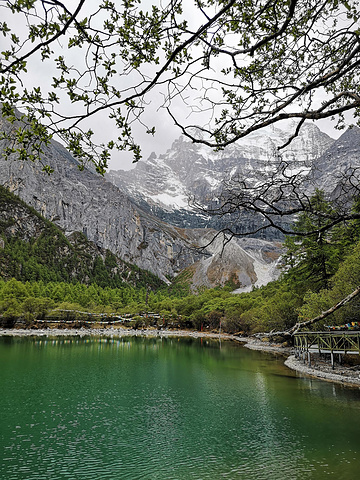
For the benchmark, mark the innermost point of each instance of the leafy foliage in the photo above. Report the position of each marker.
(346, 279)
(248, 62)
(314, 258)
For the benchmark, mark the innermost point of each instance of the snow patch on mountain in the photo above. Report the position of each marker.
(190, 171)
(168, 200)
(213, 182)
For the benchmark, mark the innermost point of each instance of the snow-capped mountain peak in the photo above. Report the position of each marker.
(192, 170)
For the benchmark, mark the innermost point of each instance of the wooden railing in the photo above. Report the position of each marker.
(342, 343)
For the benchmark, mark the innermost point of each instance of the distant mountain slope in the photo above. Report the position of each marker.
(164, 184)
(32, 248)
(85, 202)
(241, 263)
(341, 160)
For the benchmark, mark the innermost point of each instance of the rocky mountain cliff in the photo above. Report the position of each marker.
(337, 170)
(106, 214)
(166, 184)
(87, 204)
(32, 248)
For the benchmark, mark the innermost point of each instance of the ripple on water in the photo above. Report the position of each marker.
(178, 411)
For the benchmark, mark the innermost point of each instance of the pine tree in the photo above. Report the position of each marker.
(311, 260)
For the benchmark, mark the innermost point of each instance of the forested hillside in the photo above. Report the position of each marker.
(44, 272)
(34, 249)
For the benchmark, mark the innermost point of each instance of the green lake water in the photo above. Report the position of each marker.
(142, 408)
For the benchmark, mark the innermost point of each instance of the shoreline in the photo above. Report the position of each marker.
(343, 375)
(114, 332)
(255, 344)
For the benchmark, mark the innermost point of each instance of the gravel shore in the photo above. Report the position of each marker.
(320, 369)
(112, 332)
(341, 374)
(255, 344)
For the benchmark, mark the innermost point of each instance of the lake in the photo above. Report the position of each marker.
(168, 408)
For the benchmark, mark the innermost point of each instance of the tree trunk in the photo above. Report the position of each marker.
(323, 315)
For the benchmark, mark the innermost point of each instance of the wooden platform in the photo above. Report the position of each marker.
(341, 343)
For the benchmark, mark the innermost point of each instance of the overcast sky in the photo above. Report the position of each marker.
(166, 131)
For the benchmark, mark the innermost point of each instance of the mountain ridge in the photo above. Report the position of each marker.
(167, 184)
(88, 203)
(85, 202)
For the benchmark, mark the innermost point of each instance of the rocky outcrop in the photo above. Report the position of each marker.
(32, 248)
(239, 263)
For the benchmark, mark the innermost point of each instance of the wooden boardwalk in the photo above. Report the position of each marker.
(341, 343)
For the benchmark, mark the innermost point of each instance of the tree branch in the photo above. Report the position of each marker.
(40, 45)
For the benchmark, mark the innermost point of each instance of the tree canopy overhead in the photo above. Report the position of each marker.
(235, 66)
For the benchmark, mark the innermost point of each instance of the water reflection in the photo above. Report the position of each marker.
(168, 408)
